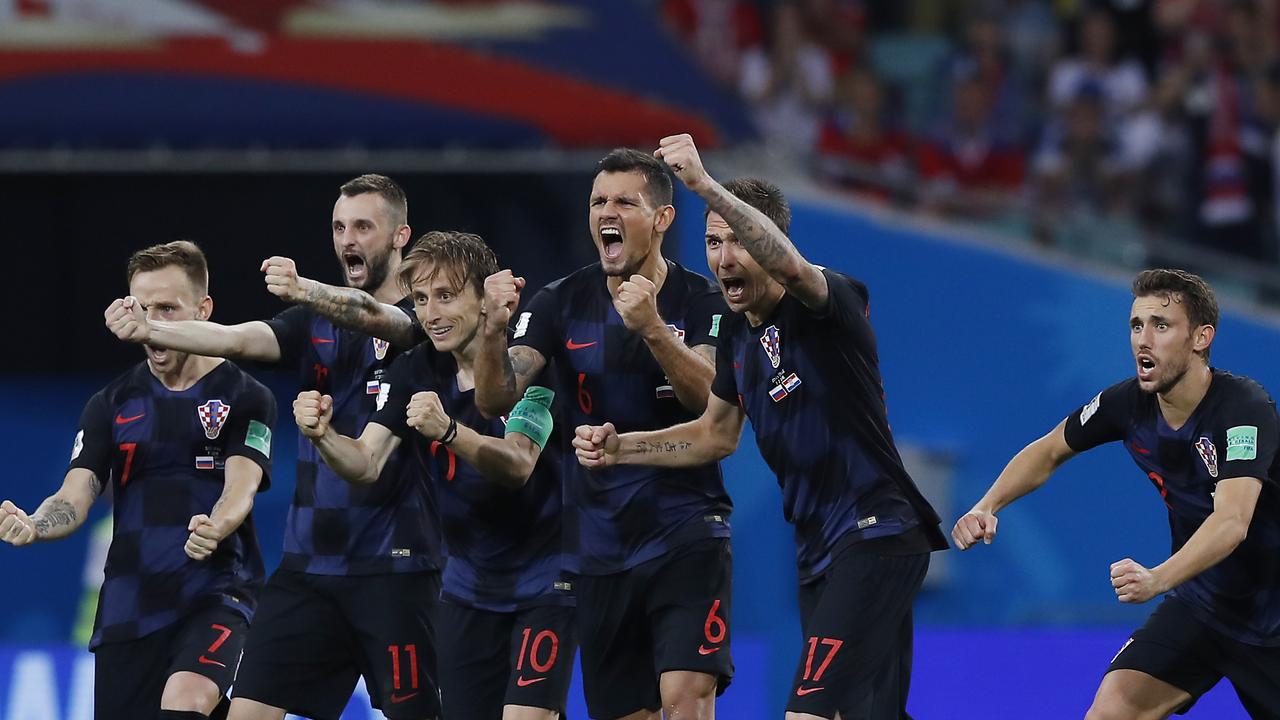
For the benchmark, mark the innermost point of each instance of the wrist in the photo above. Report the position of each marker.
(450, 433)
(306, 290)
(654, 331)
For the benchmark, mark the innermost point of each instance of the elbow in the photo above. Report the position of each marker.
(491, 407)
(1234, 531)
(722, 447)
(519, 473)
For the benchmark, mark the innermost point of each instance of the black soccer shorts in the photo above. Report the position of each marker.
(315, 635)
(670, 613)
(1176, 647)
(857, 624)
(493, 659)
(129, 677)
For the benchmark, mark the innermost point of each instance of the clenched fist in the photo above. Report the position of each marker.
(313, 411)
(283, 281)
(973, 526)
(126, 320)
(679, 152)
(596, 445)
(501, 298)
(426, 415)
(16, 528)
(637, 303)
(204, 538)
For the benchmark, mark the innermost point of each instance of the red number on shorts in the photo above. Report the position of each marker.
(224, 633)
(128, 449)
(453, 459)
(714, 628)
(412, 651)
(832, 643)
(584, 397)
(533, 651)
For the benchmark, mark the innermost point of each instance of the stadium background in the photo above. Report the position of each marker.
(996, 230)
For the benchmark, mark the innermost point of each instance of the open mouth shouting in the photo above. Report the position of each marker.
(1146, 367)
(156, 355)
(355, 267)
(611, 242)
(734, 288)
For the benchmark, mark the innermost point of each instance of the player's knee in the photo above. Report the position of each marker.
(188, 692)
(525, 712)
(688, 695)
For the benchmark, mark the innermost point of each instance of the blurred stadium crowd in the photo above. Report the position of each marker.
(1101, 126)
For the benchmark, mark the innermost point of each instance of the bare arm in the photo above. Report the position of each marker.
(1028, 470)
(252, 340)
(1234, 501)
(711, 437)
(690, 372)
(357, 460)
(240, 485)
(502, 375)
(507, 461)
(58, 516)
(350, 308)
(767, 244)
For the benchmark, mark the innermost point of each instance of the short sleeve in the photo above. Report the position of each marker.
(1101, 420)
(537, 325)
(725, 384)
(92, 448)
(291, 327)
(419, 334)
(702, 320)
(847, 299)
(393, 397)
(1249, 438)
(253, 415)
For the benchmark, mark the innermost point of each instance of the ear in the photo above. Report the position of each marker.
(663, 218)
(403, 233)
(205, 309)
(1202, 338)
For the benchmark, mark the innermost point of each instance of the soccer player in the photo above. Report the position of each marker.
(185, 443)
(505, 622)
(1207, 441)
(360, 572)
(798, 358)
(631, 337)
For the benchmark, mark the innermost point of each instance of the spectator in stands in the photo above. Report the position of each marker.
(840, 27)
(968, 168)
(984, 54)
(717, 32)
(789, 86)
(859, 149)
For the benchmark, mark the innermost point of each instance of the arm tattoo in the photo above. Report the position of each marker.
(217, 505)
(521, 368)
(54, 513)
(766, 244)
(645, 447)
(95, 485)
(358, 310)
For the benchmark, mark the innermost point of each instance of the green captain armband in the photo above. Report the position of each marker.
(531, 416)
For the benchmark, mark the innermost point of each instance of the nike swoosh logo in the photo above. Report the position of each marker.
(320, 341)
(206, 661)
(577, 346)
(704, 650)
(401, 698)
(122, 420)
(526, 683)
(801, 692)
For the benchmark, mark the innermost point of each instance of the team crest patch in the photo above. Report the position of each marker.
(772, 342)
(1209, 454)
(213, 414)
(380, 348)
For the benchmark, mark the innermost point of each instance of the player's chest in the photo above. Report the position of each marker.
(1183, 466)
(348, 366)
(172, 434)
(772, 365)
(605, 345)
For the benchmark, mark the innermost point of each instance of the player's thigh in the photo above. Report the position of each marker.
(689, 602)
(392, 619)
(206, 654)
(246, 709)
(129, 677)
(618, 678)
(474, 665)
(300, 654)
(1165, 666)
(855, 656)
(542, 643)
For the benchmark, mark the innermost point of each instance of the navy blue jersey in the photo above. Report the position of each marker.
(335, 527)
(618, 518)
(1231, 434)
(810, 383)
(503, 544)
(164, 453)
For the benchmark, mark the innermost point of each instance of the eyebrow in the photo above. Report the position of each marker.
(1154, 319)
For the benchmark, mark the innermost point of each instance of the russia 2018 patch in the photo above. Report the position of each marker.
(205, 462)
(777, 392)
(371, 387)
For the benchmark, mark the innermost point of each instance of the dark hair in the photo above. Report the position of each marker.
(384, 187)
(763, 196)
(1184, 288)
(465, 256)
(657, 181)
(184, 254)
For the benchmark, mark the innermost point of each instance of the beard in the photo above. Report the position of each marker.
(377, 267)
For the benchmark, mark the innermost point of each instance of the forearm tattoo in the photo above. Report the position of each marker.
(357, 310)
(519, 369)
(54, 513)
(766, 244)
(648, 447)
